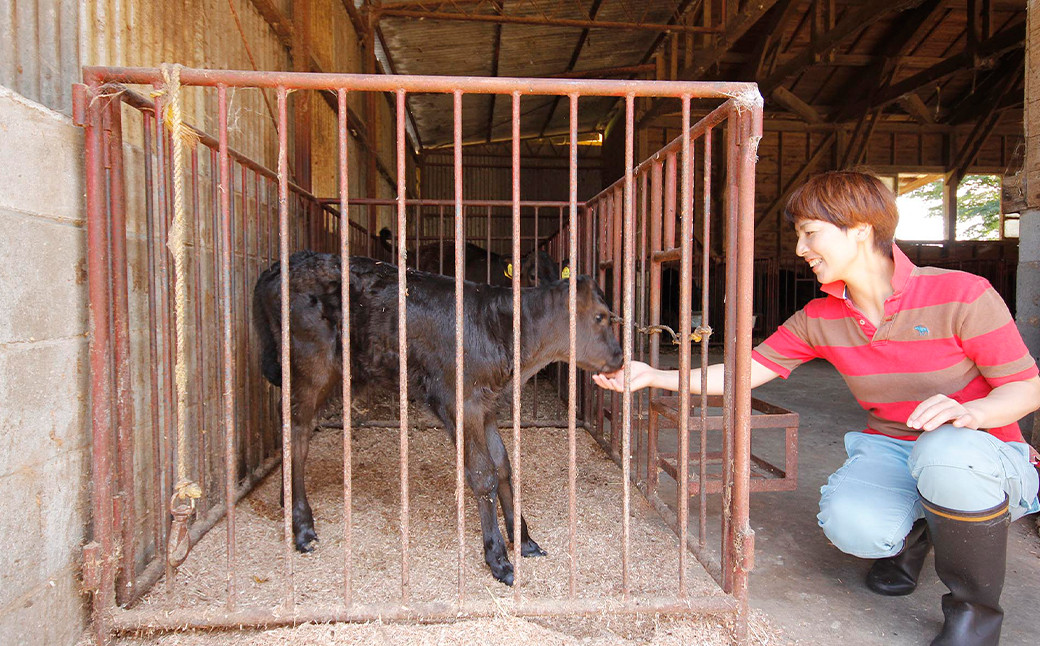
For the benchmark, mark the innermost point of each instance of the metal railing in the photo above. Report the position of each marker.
(237, 205)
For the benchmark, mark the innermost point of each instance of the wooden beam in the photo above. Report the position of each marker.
(496, 51)
(575, 54)
(916, 108)
(852, 22)
(276, 20)
(984, 125)
(968, 108)
(899, 38)
(796, 179)
(763, 57)
(787, 100)
(706, 58)
(1010, 38)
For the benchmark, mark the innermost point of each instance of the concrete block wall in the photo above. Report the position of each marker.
(1028, 299)
(44, 394)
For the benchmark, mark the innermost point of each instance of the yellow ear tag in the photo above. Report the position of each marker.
(566, 273)
(509, 270)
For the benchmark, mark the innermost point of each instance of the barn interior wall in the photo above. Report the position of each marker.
(44, 390)
(1028, 310)
(44, 394)
(487, 175)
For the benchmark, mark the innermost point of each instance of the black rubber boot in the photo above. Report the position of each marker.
(896, 575)
(970, 558)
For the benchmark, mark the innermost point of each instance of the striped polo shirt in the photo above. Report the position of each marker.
(942, 331)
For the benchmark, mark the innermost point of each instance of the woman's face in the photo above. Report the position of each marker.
(829, 251)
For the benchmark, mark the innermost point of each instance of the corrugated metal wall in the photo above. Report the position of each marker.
(39, 49)
(487, 175)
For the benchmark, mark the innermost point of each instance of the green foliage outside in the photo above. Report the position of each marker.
(978, 205)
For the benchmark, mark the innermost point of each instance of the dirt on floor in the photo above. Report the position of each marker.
(433, 559)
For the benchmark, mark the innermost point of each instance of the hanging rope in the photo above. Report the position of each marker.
(186, 491)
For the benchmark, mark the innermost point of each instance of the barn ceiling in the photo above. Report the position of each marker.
(930, 62)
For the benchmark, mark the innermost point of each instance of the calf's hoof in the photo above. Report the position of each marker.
(305, 539)
(504, 573)
(530, 548)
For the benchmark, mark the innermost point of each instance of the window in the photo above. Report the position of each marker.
(978, 208)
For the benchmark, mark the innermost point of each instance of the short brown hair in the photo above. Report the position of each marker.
(846, 199)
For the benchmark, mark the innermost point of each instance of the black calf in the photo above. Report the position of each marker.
(317, 357)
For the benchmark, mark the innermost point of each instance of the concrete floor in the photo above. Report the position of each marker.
(815, 592)
(807, 586)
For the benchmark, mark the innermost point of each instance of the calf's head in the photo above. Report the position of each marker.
(538, 268)
(597, 349)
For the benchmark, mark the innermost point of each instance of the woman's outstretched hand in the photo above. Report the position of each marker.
(642, 376)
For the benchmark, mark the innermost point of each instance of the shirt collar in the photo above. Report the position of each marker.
(903, 269)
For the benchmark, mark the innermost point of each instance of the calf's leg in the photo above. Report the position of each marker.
(303, 423)
(504, 469)
(483, 480)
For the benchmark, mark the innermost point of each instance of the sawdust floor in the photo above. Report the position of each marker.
(376, 575)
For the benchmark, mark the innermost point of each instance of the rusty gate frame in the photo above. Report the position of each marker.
(109, 559)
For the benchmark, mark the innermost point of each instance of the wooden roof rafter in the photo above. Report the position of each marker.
(705, 59)
(391, 11)
(852, 22)
(582, 38)
(1012, 37)
(899, 40)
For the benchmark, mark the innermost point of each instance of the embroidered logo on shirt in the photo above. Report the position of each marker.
(920, 329)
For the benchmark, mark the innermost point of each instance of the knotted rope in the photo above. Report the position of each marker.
(186, 491)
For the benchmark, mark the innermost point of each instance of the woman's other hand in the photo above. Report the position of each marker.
(938, 410)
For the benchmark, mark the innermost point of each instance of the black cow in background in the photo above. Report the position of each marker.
(482, 266)
(316, 359)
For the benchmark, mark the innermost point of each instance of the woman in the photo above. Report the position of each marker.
(932, 355)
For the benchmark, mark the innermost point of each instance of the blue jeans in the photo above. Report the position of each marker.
(868, 505)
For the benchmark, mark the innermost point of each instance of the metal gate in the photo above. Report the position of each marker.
(170, 336)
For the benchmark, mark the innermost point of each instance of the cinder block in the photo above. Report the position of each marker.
(43, 402)
(54, 612)
(41, 152)
(1029, 236)
(43, 517)
(43, 278)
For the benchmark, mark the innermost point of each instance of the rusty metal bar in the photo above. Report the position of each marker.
(729, 430)
(702, 514)
(283, 255)
(263, 412)
(627, 275)
(750, 124)
(670, 193)
(413, 83)
(685, 287)
(402, 337)
(153, 351)
(229, 343)
(245, 356)
(98, 568)
(641, 308)
(460, 403)
(166, 355)
(129, 621)
(344, 282)
(517, 513)
(200, 374)
(487, 246)
(572, 308)
(412, 201)
(113, 133)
